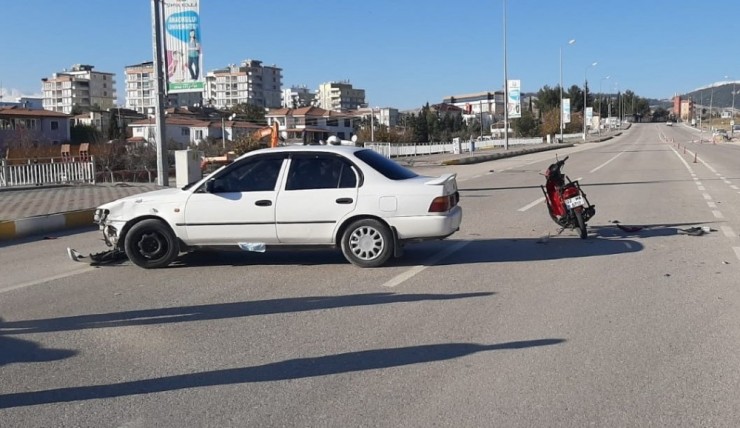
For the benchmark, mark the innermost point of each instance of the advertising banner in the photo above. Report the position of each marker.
(566, 110)
(513, 104)
(589, 113)
(184, 55)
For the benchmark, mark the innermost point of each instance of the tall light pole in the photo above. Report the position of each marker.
(711, 99)
(160, 135)
(570, 42)
(223, 130)
(585, 97)
(506, 88)
(732, 115)
(601, 99)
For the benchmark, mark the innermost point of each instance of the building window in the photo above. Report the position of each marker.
(185, 131)
(347, 123)
(54, 125)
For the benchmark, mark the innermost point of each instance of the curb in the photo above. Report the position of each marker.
(13, 229)
(501, 155)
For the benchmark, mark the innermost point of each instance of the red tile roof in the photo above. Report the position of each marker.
(27, 112)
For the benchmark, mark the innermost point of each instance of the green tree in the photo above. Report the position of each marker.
(84, 134)
(249, 112)
(526, 126)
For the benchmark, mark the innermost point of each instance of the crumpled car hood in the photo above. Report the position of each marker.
(155, 198)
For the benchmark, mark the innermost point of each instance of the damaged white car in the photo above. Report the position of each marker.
(297, 196)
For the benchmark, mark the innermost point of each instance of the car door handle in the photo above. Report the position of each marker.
(345, 200)
(263, 203)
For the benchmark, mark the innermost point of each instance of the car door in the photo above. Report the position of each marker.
(237, 205)
(320, 190)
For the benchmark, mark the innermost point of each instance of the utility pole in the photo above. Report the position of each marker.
(163, 170)
(506, 88)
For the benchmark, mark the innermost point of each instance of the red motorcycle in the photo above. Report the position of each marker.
(566, 202)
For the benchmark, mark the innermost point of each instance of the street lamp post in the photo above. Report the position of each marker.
(506, 86)
(223, 130)
(570, 42)
(585, 97)
(711, 99)
(601, 99)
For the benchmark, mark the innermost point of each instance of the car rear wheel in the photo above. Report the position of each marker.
(367, 243)
(151, 244)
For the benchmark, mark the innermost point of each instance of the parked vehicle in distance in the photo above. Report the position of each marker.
(720, 134)
(343, 197)
(669, 123)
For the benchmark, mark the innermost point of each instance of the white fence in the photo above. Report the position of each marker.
(411, 149)
(73, 171)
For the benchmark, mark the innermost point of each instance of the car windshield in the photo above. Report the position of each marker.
(385, 166)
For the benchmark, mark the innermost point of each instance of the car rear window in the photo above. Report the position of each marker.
(390, 169)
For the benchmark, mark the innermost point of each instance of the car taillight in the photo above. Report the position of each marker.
(442, 204)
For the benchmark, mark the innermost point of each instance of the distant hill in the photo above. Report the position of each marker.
(719, 93)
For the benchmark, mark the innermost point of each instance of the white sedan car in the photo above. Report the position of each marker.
(296, 196)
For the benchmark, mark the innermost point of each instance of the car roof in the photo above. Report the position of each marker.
(307, 148)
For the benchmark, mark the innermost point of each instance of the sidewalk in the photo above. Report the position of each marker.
(36, 210)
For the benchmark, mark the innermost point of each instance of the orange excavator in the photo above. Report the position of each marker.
(211, 163)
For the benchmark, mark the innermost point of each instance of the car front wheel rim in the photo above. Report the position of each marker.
(366, 243)
(152, 245)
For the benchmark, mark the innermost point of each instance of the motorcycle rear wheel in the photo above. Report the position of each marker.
(581, 224)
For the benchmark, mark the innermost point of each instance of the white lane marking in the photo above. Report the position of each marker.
(480, 175)
(707, 196)
(698, 183)
(733, 187)
(727, 230)
(605, 163)
(695, 178)
(728, 182)
(720, 177)
(702, 188)
(712, 205)
(717, 214)
(737, 252)
(403, 277)
(48, 279)
(532, 204)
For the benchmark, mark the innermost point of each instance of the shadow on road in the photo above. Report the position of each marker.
(298, 368)
(13, 350)
(218, 311)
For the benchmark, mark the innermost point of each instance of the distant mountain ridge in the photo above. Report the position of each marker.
(719, 94)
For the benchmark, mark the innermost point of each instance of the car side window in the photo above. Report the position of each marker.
(252, 175)
(320, 172)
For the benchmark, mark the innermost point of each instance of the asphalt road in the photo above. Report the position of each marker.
(506, 323)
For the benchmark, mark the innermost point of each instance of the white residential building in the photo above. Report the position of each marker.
(297, 96)
(312, 124)
(340, 96)
(248, 83)
(387, 116)
(141, 94)
(79, 86)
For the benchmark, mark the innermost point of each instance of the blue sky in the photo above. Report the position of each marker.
(404, 53)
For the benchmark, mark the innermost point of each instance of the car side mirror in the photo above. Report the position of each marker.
(210, 185)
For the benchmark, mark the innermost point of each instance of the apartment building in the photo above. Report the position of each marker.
(248, 83)
(141, 94)
(340, 96)
(297, 96)
(81, 86)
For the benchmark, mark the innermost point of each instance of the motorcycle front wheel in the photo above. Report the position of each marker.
(581, 223)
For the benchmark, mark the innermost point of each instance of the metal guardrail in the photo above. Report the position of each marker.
(30, 173)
